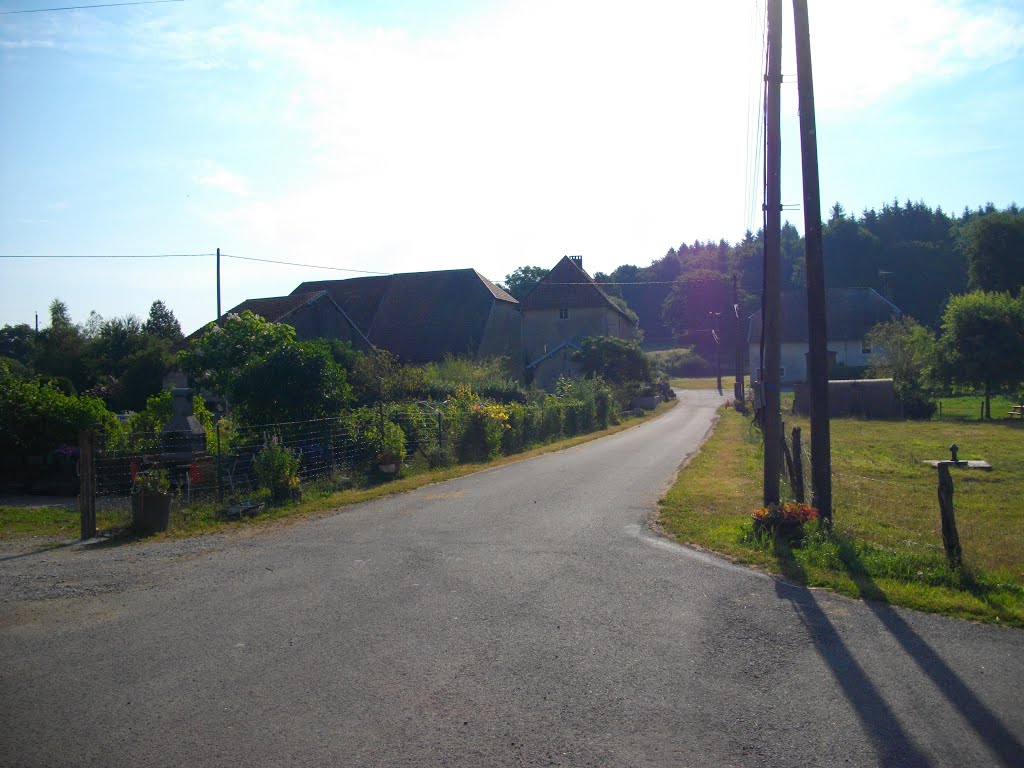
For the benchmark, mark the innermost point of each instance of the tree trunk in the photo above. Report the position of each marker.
(988, 404)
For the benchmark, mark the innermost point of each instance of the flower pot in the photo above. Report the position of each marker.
(151, 510)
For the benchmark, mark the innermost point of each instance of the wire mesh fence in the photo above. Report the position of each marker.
(330, 452)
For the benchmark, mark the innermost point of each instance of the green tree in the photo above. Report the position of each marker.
(904, 350)
(523, 280)
(162, 322)
(981, 342)
(295, 381)
(36, 417)
(616, 360)
(61, 351)
(217, 358)
(700, 302)
(17, 342)
(993, 245)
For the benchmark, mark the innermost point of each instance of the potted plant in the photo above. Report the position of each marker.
(392, 447)
(151, 501)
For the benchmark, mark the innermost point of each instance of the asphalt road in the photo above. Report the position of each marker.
(524, 616)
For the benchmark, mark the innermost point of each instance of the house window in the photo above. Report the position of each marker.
(782, 373)
(865, 347)
(563, 313)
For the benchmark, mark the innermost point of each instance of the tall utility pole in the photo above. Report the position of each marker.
(716, 334)
(739, 395)
(218, 284)
(817, 357)
(771, 359)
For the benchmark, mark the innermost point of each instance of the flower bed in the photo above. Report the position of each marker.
(788, 517)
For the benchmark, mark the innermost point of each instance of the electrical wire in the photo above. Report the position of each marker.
(82, 7)
(103, 255)
(307, 266)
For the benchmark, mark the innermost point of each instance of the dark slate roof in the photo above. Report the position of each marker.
(567, 285)
(849, 313)
(419, 316)
(275, 309)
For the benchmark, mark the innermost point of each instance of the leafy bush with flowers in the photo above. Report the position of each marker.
(484, 424)
(787, 516)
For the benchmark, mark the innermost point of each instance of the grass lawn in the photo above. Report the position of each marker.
(58, 524)
(886, 543)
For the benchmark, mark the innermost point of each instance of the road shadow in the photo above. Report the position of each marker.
(892, 744)
(108, 539)
(983, 721)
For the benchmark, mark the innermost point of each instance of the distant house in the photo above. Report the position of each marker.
(850, 315)
(313, 315)
(563, 308)
(424, 316)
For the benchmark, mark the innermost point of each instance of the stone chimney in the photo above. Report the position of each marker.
(577, 260)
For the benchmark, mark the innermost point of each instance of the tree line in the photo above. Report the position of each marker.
(916, 256)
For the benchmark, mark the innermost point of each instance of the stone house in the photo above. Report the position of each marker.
(563, 308)
(850, 314)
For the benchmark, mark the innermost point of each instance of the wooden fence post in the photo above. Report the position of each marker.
(790, 470)
(950, 537)
(87, 482)
(798, 467)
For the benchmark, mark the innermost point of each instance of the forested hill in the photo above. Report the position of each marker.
(915, 255)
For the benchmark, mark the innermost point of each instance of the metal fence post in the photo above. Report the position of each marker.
(220, 484)
(87, 482)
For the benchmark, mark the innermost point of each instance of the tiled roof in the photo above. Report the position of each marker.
(272, 308)
(849, 314)
(567, 285)
(419, 316)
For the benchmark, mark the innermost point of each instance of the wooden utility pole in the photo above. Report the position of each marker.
(771, 359)
(218, 283)
(817, 357)
(739, 393)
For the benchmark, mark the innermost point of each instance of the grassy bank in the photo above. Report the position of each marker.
(49, 525)
(886, 543)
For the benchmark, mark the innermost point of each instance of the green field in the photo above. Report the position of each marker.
(886, 543)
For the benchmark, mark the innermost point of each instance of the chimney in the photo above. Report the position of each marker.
(577, 260)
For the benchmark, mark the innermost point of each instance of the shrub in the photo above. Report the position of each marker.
(481, 439)
(389, 444)
(678, 362)
(36, 418)
(276, 467)
(916, 402)
(552, 422)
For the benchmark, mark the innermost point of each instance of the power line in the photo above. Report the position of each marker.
(308, 266)
(102, 255)
(178, 256)
(82, 7)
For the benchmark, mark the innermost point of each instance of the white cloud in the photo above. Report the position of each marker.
(867, 51)
(217, 177)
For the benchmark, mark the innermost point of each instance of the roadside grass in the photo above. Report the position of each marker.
(55, 522)
(707, 382)
(54, 525)
(886, 543)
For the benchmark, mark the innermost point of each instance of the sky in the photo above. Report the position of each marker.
(392, 136)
